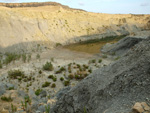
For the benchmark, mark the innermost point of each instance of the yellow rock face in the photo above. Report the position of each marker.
(56, 24)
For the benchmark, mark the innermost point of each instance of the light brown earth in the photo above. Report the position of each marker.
(55, 23)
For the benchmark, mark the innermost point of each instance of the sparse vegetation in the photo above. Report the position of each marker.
(38, 91)
(62, 79)
(37, 56)
(100, 60)
(60, 70)
(66, 83)
(53, 85)
(47, 109)
(15, 74)
(7, 99)
(13, 109)
(48, 66)
(46, 84)
(51, 76)
(54, 79)
(58, 44)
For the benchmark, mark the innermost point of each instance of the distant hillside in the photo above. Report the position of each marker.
(24, 25)
(34, 4)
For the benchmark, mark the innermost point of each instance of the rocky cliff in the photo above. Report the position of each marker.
(55, 23)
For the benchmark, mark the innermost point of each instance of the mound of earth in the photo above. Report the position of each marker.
(122, 46)
(114, 88)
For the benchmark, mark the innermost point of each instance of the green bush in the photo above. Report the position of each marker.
(11, 57)
(48, 66)
(24, 57)
(7, 99)
(37, 56)
(46, 84)
(15, 74)
(40, 72)
(51, 76)
(38, 91)
(90, 70)
(53, 85)
(1, 65)
(11, 88)
(58, 44)
(60, 70)
(100, 60)
(66, 83)
(62, 79)
(54, 79)
(93, 61)
(77, 77)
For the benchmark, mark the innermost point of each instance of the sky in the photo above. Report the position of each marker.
(102, 6)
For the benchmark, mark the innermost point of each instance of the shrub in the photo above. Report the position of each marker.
(54, 79)
(58, 44)
(100, 60)
(51, 76)
(38, 91)
(40, 72)
(85, 66)
(48, 66)
(60, 70)
(71, 76)
(11, 57)
(13, 108)
(117, 58)
(90, 70)
(46, 84)
(37, 56)
(15, 74)
(93, 61)
(62, 79)
(66, 83)
(24, 57)
(1, 64)
(53, 85)
(7, 99)
(11, 88)
(52, 59)
(77, 77)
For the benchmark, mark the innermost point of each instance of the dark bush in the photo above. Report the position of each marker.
(46, 84)
(66, 83)
(38, 91)
(62, 79)
(53, 85)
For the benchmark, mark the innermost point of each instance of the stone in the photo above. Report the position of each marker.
(145, 106)
(31, 93)
(22, 93)
(2, 89)
(138, 108)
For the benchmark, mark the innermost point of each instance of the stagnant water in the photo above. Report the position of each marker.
(92, 47)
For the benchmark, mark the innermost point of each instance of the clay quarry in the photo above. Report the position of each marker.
(56, 59)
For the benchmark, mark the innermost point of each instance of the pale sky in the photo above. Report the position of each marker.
(102, 6)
